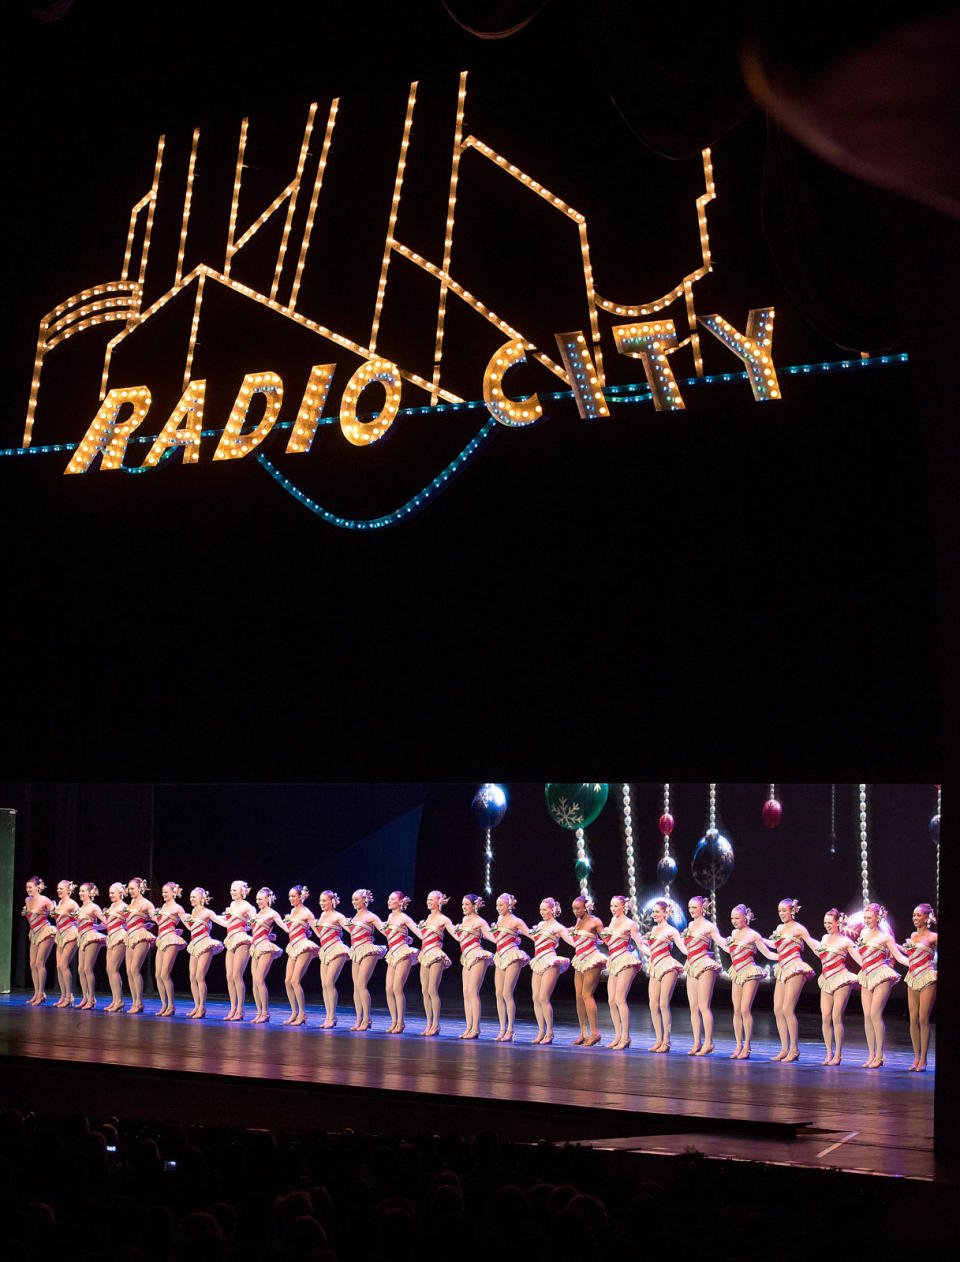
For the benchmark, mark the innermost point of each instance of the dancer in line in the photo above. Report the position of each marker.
(203, 947)
(664, 971)
(238, 942)
(474, 960)
(921, 982)
(140, 939)
(400, 957)
(364, 954)
(546, 966)
(170, 942)
(745, 974)
(298, 923)
(263, 951)
(67, 939)
(334, 953)
(433, 960)
(702, 971)
(791, 973)
(623, 964)
(90, 940)
(588, 962)
(874, 948)
(508, 960)
(836, 983)
(38, 909)
(115, 918)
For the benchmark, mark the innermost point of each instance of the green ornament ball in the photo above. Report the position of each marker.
(574, 806)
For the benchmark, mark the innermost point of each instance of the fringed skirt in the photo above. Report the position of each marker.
(400, 953)
(796, 968)
(41, 934)
(236, 939)
(170, 940)
(140, 935)
(669, 965)
(339, 951)
(549, 959)
(266, 948)
(624, 961)
(434, 956)
(699, 967)
(364, 952)
(749, 973)
(90, 937)
(836, 981)
(204, 945)
(304, 947)
(871, 980)
(584, 962)
(503, 959)
(920, 981)
(67, 935)
(475, 956)
(117, 937)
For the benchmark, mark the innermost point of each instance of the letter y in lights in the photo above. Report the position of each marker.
(754, 348)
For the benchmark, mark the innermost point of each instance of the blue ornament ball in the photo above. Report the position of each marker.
(935, 830)
(489, 806)
(667, 870)
(712, 861)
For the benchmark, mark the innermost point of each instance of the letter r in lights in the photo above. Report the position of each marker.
(107, 433)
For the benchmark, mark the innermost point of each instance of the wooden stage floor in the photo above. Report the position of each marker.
(212, 1072)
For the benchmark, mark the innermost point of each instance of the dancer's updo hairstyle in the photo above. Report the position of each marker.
(331, 894)
(172, 885)
(90, 888)
(35, 880)
(71, 886)
(928, 912)
(365, 895)
(403, 900)
(509, 899)
(702, 903)
(204, 894)
(475, 901)
(439, 896)
(745, 912)
(243, 886)
(553, 905)
(878, 908)
(140, 883)
(118, 885)
(792, 903)
(588, 903)
(266, 892)
(626, 900)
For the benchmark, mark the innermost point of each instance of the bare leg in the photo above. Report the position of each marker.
(391, 998)
(826, 1024)
(329, 973)
(614, 1010)
(668, 985)
(115, 957)
(135, 958)
(866, 1001)
(548, 981)
(792, 988)
(693, 1000)
(87, 964)
(499, 979)
(510, 976)
(296, 967)
(840, 1001)
(536, 984)
(362, 972)
(241, 955)
(736, 998)
(881, 994)
(578, 980)
(746, 1012)
(705, 985)
(779, 999)
(622, 983)
(913, 1006)
(591, 980)
(163, 967)
(261, 996)
(927, 997)
(430, 976)
(65, 956)
(653, 994)
(472, 981)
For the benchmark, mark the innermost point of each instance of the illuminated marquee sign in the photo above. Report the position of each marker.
(643, 331)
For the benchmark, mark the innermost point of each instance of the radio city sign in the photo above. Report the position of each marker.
(380, 390)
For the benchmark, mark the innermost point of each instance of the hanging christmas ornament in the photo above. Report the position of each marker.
(667, 867)
(575, 806)
(935, 835)
(488, 808)
(864, 849)
(772, 809)
(832, 847)
(712, 861)
(628, 851)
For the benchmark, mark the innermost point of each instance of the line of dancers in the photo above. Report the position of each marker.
(130, 926)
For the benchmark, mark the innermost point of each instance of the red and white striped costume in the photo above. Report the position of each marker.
(743, 961)
(586, 951)
(332, 946)
(834, 974)
(789, 964)
(471, 952)
(137, 930)
(299, 942)
(876, 965)
(508, 949)
(920, 970)
(399, 946)
(431, 951)
(545, 955)
(661, 961)
(620, 954)
(262, 938)
(87, 927)
(238, 929)
(116, 918)
(362, 945)
(66, 927)
(201, 940)
(168, 929)
(39, 924)
(699, 959)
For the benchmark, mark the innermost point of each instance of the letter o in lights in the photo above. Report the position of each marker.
(363, 433)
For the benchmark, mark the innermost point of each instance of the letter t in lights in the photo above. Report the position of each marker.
(651, 343)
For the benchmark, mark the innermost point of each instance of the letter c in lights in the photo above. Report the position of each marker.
(508, 411)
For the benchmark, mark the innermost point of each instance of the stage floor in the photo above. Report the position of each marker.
(211, 1071)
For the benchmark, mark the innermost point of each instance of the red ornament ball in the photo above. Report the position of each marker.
(772, 812)
(666, 824)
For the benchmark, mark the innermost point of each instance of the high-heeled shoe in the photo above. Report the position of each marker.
(579, 1042)
(705, 1051)
(592, 1041)
(876, 1064)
